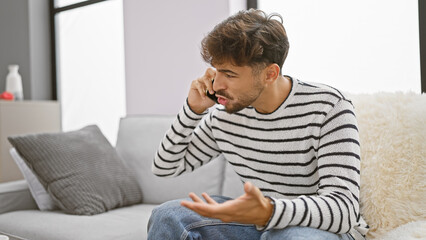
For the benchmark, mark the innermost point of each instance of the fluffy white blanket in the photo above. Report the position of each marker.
(392, 130)
(409, 231)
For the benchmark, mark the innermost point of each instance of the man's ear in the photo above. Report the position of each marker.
(272, 73)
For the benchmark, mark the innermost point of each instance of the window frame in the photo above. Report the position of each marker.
(422, 35)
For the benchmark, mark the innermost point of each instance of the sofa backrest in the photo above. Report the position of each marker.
(137, 142)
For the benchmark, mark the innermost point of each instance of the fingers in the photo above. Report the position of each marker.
(201, 88)
(209, 199)
(210, 73)
(205, 82)
(208, 77)
(206, 209)
(253, 191)
(193, 205)
(195, 198)
(247, 187)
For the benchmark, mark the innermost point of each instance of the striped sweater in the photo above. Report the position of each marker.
(305, 155)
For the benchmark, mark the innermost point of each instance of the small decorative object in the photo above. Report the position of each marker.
(6, 96)
(4, 237)
(14, 83)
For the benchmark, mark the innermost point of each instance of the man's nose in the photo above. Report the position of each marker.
(218, 83)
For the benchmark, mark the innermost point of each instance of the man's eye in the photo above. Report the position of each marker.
(229, 76)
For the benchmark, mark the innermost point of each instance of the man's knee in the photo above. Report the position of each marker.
(167, 221)
(173, 214)
(166, 211)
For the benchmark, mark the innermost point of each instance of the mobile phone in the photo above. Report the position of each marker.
(212, 96)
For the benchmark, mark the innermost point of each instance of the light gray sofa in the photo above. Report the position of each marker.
(137, 141)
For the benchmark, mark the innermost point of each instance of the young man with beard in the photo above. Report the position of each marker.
(294, 145)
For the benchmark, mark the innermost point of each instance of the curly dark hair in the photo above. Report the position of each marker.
(248, 38)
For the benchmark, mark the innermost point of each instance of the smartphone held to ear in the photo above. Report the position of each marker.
(212, 96)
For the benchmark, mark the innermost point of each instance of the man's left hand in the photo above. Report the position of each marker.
(250, 208)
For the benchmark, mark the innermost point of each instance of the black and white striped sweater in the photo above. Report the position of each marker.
(305, 155)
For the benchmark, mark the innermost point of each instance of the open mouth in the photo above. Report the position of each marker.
(222, 100)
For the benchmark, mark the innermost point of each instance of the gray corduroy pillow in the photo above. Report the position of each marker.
(80, 169)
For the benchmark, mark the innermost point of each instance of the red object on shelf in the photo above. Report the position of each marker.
(7, 96)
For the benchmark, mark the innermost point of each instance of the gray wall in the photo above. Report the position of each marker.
(162, 50)
(25, 40)
(40, 54)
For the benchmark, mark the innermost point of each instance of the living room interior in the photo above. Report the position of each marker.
(126, 67)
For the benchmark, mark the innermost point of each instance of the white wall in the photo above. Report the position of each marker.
(236, 6)
(162, 50)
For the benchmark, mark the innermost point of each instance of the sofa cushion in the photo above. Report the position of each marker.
(232, 185)
(392, 128)
(80, 169)
(15, 196)
(127, 223)
(137, 142)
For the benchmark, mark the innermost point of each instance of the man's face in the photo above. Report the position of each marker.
(236, 87)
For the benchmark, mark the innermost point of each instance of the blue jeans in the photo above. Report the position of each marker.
(171, 221)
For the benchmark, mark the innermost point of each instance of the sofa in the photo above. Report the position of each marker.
(392, 130)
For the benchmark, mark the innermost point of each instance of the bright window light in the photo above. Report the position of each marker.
(359, 46)
(91, 67)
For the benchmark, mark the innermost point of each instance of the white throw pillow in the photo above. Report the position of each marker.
(40, 195)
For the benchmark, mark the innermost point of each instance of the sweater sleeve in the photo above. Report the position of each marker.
(335, 207)
(187, 145)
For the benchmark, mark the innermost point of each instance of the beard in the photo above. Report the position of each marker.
(246, 99)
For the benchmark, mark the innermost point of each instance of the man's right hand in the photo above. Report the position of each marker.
(197, 99)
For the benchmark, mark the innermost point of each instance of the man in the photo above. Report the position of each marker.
(294, 145)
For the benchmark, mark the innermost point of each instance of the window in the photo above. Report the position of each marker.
(357, 46)
(90, 64)
(64, 3)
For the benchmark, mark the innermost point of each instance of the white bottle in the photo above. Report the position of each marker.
(14, 83)
(3, 237)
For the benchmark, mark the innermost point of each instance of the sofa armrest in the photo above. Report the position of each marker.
(15, 196)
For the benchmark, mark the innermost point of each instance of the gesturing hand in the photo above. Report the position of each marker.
(250, 208)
